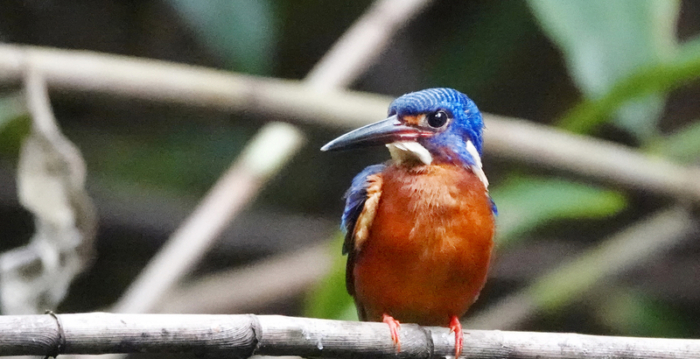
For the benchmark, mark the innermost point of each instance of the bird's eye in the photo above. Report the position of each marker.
(437, 119)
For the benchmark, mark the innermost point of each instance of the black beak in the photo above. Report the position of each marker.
(378, 133)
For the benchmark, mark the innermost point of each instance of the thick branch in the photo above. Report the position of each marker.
(166, 82)
(80, 71)
(244, 335)
(525, 141)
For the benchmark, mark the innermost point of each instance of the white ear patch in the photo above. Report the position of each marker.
(404, 151)
(476, 168)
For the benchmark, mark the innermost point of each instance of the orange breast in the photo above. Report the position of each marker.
(427, 254)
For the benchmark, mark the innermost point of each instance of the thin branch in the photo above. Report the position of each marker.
(79, 71)
(634, 245)
(241, 336)
(261, 159)
(362, 44)
(171, 83)
(529, 142)
(274, 279)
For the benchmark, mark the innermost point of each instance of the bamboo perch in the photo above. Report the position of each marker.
(241, 336)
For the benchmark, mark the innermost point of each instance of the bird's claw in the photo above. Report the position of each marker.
(456, 327)
(394, 327)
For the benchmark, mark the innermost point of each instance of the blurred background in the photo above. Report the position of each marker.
(575, 251)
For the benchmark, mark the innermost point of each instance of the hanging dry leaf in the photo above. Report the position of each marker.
(50, 179)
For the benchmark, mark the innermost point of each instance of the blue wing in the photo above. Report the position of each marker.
(355, 199)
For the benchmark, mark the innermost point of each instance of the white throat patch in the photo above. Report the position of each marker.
(409, 151)
(476, 168)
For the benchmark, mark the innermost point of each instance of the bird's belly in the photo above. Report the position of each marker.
(429, 247)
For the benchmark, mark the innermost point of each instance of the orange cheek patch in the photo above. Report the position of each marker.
(414, 120)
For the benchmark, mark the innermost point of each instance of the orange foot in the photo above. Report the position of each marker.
(394, 326)
(456, 326)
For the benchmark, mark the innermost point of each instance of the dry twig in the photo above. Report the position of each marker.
(268, 151)
(361, 45)
(238, 290)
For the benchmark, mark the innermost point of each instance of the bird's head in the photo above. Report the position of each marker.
(438, 125)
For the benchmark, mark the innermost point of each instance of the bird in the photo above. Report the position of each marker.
(419, 228)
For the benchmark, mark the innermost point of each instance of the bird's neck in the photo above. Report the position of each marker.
(414, 155)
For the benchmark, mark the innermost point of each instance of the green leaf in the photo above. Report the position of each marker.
(329, 299)
(498, 46)
(659, 78)
(243, 32)
(14, 124)
(605, 41)
(11, 107)
(525, 203)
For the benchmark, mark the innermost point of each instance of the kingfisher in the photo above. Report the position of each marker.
(419, 228)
